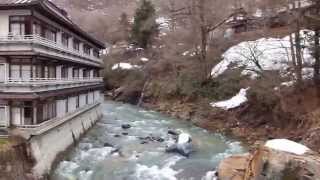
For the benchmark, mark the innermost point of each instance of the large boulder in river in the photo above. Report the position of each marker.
(183, 145)
(278, 159)
(234, 167)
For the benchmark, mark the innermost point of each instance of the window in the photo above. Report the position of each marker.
(15, 71)
(95, 73)
(77, 102)
(36, 28)
(86, 49)
(66, 105)
(49, 110)
(65, 39)
(51, 35)
(75, 73)
(96, 53)
(51, 72)
(38, 71)
(64, 72)
(76, 44)
(86, 73)
(28, 113)
(25, 72)
(17, 25)
(3, 120)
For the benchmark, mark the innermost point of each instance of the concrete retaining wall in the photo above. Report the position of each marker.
(47, 146)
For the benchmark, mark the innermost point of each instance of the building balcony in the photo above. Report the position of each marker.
(36, 44)
(52, 123)
(45, 84)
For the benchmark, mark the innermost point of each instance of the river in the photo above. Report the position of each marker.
(137, 159)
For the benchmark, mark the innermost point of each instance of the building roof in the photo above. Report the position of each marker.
(56, 13)
(16, 1)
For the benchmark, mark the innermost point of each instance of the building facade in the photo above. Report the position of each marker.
(49, 67)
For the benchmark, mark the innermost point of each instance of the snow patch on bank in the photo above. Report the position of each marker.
(234, 102)
(124, 66)
(287, 146)
(144, 59)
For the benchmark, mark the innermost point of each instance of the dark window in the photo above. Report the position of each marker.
(75, 72)
(17, 25)
(87, 99)
(77, 102)
(86, 49)
(65, 39)
(28, 113)
(86, 73)
(67, 106)
(96, 53)
(64, 72)
(95, 73)
(76, 44)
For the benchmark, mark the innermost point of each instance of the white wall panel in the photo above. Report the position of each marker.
(61, 108)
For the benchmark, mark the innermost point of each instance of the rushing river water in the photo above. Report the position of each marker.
(94, 159)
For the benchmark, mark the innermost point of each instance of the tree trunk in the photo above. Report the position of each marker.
(298, 68)
(204, 39)
(317, 57)
(293, 55)
(316, 76)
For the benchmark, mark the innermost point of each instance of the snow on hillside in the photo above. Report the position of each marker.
(287, 146)
(124, 66)
(270, 54)
(234, 102)
(164, 25)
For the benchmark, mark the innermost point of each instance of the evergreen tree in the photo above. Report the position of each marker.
(144, 26)
(124, 26)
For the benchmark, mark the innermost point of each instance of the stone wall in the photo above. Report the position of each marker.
(47, 146)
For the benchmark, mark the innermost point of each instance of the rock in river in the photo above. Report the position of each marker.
(183, 146)
(126, 126)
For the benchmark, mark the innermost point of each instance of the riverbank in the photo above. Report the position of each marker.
(202, 115)
(249, 124)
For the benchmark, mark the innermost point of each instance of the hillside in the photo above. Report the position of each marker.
(191, 74)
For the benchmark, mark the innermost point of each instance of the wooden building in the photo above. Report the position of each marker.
(49, 67)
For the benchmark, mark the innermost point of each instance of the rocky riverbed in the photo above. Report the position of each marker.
(130, 143)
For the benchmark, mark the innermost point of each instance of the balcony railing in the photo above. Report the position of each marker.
(50, 124)
(30, 85)
(37, 39)
(50, 81)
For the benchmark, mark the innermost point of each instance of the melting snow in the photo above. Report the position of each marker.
(288, 84)
(234, 102)
(144, 59)
(124, 66)
(271, 53)
(185, 53)
(184, 138)
(163, 23)
(287, 146)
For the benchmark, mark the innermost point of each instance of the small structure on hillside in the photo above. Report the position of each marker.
(241, 21)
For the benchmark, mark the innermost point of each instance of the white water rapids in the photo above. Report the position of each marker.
(137, 159)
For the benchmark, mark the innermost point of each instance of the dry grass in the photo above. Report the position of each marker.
(3, 143)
